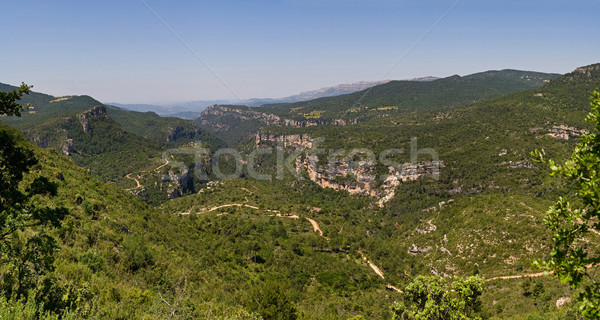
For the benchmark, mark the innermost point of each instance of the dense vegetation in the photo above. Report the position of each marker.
(147, 125)
(246, 249)
(113, 143)
(571, 223)
(396, 97)
(407, 96)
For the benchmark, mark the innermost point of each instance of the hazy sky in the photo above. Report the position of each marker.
(119, 51)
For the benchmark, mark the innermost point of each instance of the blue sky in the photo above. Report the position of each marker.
(119, 51)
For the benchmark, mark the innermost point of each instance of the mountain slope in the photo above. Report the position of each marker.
(337, 90)
(484, 213)
(395, 97)
(317, 249)
(407, 96)
(146, 125)
(120, 259)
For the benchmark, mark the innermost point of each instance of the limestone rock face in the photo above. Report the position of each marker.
(67, 147)
(207, 117)
(141, 193)
(177, 183)
(562, 301)
(298, 141)
(93, 112)
(588, 70)
(564, 132)
(414, 250)
(351, 175)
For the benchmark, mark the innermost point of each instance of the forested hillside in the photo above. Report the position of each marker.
(407, 96)
(320, 245)
(119, 146)
(144, 124)
(233, 123)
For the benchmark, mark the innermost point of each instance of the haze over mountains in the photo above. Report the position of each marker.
(192, 109)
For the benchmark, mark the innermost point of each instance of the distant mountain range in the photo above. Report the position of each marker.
(185, 110)
(192, 109)
(233, 123)
(319, 93)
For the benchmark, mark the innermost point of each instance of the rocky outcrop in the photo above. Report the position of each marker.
(219, 118)
(564, 132)
(42, 142)
(430, 227)
(409, 171)
(67, 147)
(349, 174)
(238, 113)
(517, 164)
(93, 112)
(178, 132)
(318, 122)
(588, 70)
(297, 141)
(414, 250)
(342, 175)
(561, 302)
(177, 183)
(141, 193)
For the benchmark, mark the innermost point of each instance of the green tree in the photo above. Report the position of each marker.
(570, 222)
(270, 302)
(24, 256)
(433, 299)
(8, 101)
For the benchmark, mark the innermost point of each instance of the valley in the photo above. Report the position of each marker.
(330, 210)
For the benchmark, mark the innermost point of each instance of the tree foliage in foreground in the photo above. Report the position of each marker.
(573, 222)
(26, 253)
(8, 101)
(432, 298)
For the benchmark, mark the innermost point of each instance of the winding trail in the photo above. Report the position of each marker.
(128, 176)
(532, 275)
(161, 166)
(375, 268)
(139, 185)
(314, 223)
(316, 228)
(529, 275)
(372, 265)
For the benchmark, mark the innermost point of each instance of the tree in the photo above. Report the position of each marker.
(8, 101)
(24, 256)
(571, 222)
(269, 300)
(431, 298)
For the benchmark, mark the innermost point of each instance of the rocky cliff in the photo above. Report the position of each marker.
(220, 118)
(351, 175)
(93, 112)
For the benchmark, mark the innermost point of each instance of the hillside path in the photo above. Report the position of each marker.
(139, 185)
(314, 223)
(531, 275)
(128, 176)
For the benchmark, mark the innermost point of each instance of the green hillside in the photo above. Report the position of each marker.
(289, 248)
(144, 124)
(120, 146)
(93, 140)
(407, 96)
(237, 123)
(122, 259)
